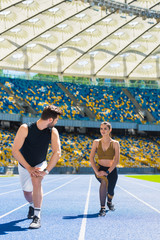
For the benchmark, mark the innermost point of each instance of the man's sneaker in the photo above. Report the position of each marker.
(110, 206)
(102, 212)
(30, 213)
(36, 223)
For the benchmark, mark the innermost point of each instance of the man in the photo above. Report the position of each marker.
(30, 149)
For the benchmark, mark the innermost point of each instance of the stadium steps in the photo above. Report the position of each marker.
(152, 140)
(19, 103)
(143, 113)
(81, 107)
(131, 158)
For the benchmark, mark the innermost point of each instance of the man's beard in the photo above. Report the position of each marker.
(50, 125)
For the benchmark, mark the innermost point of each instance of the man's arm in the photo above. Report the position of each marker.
(56, 149)
(18, 143)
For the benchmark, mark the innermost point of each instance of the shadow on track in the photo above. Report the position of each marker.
(94, 215)
(5, 228)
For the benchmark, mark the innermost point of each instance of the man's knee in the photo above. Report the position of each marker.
(36, 181)
(27, 193)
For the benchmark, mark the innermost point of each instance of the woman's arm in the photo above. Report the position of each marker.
(92, 156)
(116, 157)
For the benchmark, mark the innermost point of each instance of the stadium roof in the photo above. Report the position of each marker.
(74, 38)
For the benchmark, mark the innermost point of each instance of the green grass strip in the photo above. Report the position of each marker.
(151, 178)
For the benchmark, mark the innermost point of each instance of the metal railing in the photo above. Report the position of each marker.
(88, 81)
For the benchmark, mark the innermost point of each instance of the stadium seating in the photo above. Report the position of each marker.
(38, 94)
(105, 102)
(143, 152)
(148, 99)
(7, 104)
(6, 141)
(135, 151)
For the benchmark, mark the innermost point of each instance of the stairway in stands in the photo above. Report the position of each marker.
(143, 113)
(18, 102)
(84, 110)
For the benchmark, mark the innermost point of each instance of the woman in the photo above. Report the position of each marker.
(108, 151)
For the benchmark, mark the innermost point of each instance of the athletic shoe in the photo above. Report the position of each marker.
(30, 213)
(36, 223)
(102, 212)
(110, 206)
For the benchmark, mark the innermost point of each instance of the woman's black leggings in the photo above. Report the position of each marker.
(107, 185)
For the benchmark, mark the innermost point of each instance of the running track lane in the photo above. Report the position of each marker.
(76, 204)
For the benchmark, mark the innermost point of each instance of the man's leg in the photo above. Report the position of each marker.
(27, 188)
(37, 200)
(37, 192)
(29, 198)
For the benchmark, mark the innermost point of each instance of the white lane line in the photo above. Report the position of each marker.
(54, 180)
(43, 195)
(11, 191)
(19, 183)
(148, 205)
(10, 184)
(132, 181)
(60, 186)
(13, 210)
(83, 225)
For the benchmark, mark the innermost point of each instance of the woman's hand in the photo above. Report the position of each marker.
(101, 174)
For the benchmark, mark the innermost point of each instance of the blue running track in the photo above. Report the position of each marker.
(70, 210)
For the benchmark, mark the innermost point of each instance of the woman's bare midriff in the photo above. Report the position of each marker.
(105, 162)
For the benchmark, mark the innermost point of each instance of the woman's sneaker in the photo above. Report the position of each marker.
(102, 212)
(36, 223)
(30, 213)
(110, 206)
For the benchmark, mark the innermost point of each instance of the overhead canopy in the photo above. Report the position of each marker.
(74, 38)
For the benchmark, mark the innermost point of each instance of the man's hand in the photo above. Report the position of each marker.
(34, 172)
(40, 172)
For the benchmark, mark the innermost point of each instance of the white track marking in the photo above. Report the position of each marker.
(11, 191)
(131, 180)
(55, 180)
(43, 195)
(13, 210)
(148, 205)
(83, 225)
(19, 182)
(60, 186)
(10, 184)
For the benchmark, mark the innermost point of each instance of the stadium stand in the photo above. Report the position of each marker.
(135, 151)
(38, 94)
(110, 102)
(148, 99)
(104, 102)
(6, 141)
(7, 104)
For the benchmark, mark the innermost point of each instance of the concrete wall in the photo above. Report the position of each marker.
(83, 170)
(83, 123)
